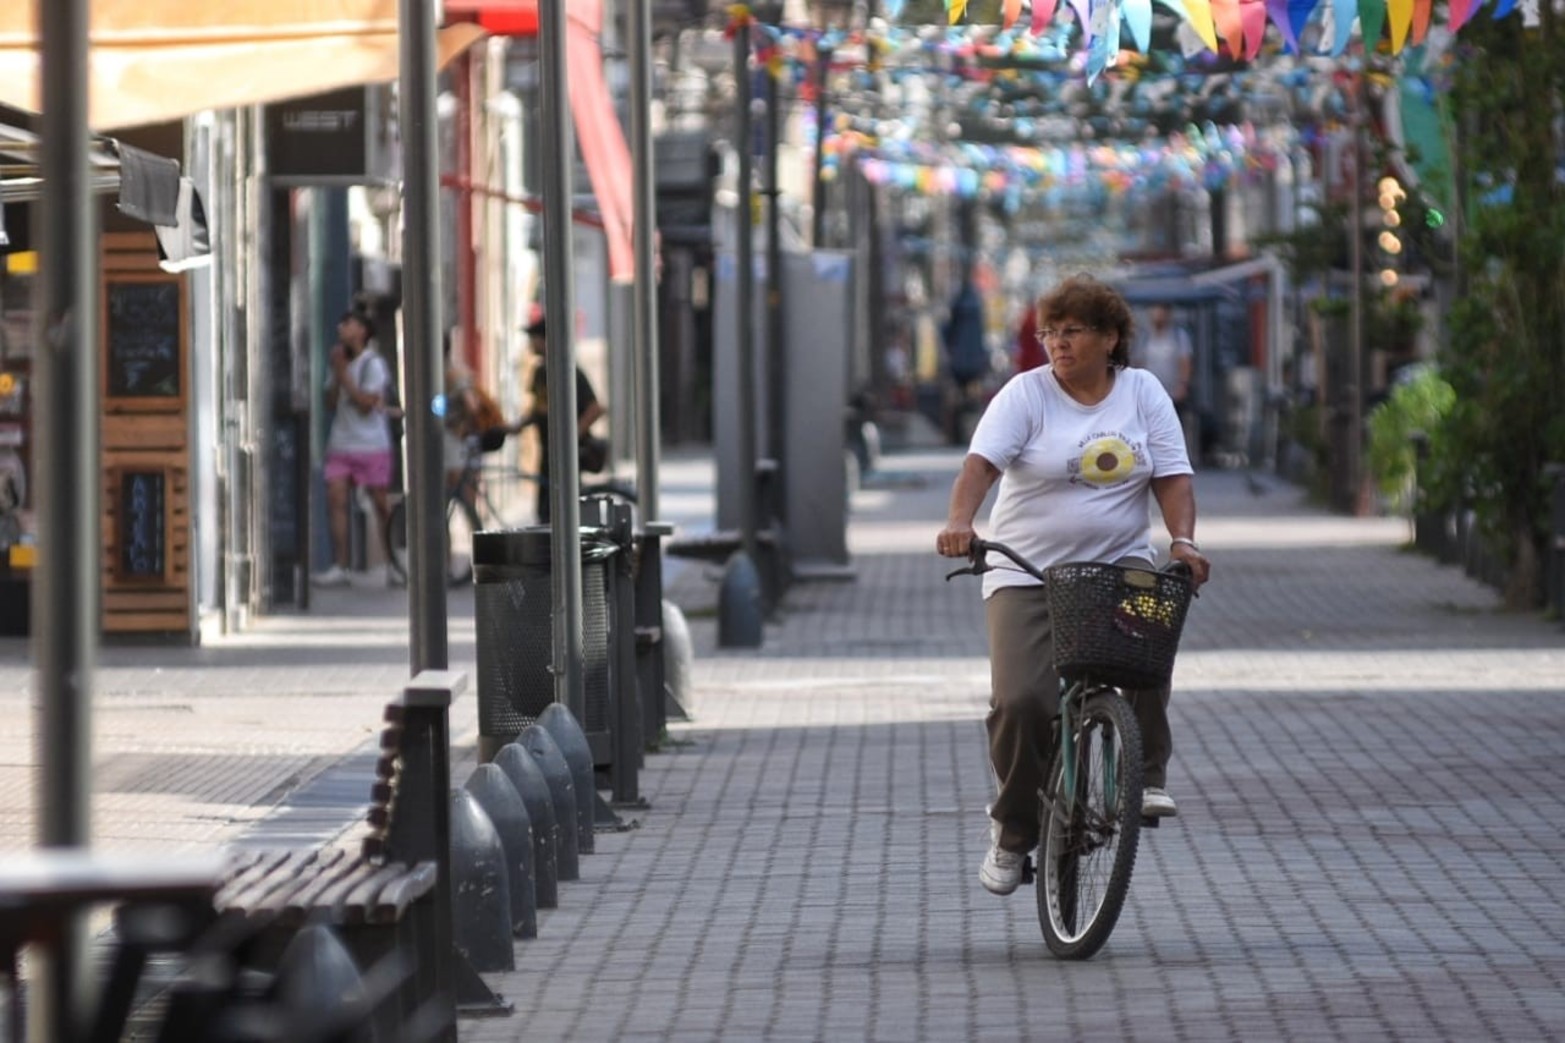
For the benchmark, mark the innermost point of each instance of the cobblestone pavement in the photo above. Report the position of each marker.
(1366, 764)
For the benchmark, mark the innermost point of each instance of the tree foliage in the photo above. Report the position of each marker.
(1507, 330)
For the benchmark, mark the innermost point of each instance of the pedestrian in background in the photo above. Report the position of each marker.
(967, 354)
(1167, 354)
(358, 448)
(1029, 348)
(588, 410)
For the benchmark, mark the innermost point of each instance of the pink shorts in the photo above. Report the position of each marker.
(370, 470)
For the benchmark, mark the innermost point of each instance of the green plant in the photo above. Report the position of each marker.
(1505, 358)
(1414, 408)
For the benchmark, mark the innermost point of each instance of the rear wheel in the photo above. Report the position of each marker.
(462, 522)
(1088, 846)
(396, 536)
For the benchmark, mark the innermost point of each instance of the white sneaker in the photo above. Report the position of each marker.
(335, 576)
(1001, 872)
(1156, 803)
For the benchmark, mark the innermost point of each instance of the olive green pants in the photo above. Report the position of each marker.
(1025, 700)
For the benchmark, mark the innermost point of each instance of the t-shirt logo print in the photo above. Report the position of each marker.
(1106, 459)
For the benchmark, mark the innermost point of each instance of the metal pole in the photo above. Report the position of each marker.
(1355, 392)
(645, 306)
(560, 361)
(776, 363)
(421, 340)
(818, 204)
(65, 595)
(744, 261)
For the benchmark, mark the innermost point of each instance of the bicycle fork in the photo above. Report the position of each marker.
(1069, 696)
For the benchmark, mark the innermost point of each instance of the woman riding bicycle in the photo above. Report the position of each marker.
(1077, 446)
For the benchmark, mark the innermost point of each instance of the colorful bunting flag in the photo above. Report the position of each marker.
(1399, 15)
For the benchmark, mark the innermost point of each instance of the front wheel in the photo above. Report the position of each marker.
(1089, 836)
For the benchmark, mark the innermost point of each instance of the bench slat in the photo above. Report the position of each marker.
(402, 892)
(306, 900)
(249, 875)
(355, 905)
(268, 893)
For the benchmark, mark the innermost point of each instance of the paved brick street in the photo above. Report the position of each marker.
(1366, 764)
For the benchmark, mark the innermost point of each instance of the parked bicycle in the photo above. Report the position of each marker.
(1115, 628)
(473, 505)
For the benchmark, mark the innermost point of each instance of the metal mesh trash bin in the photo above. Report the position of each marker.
(513, 610)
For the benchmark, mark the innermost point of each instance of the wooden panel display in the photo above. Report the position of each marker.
(144, 339)
(146, 554)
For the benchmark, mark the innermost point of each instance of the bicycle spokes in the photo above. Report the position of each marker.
(1090, 829)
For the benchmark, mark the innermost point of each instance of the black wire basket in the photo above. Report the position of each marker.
(1116, 625)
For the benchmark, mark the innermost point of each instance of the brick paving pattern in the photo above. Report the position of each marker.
(1365, 761)
(1365, 851)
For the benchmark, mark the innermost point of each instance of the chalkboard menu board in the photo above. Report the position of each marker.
(143, 523)
(143, 331)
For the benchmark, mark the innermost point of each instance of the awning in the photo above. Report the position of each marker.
(159, 60)
(598, 131)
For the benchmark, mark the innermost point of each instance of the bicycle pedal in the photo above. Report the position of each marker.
(1028, 872)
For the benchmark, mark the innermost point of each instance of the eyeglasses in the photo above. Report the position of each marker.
(1048, 333)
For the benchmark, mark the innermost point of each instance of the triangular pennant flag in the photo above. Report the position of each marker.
(1197, 14)
(1502, 8)
(1277, 11)
(1009, 12)
(1252, 15)
(1043, 14)
(1343, 14)
(1230, 26)
(1372, 22)
(955, 9)
(1299, 14)
(1138, 19)
(1422, 11)
(1104, 32)
(1400, 15)
(1083, 9)
(1458, 12)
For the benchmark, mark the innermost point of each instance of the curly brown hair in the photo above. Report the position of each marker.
(1086, 300)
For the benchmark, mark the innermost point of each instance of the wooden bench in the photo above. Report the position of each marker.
(387, 900)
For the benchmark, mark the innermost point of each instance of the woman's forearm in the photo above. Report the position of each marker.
(967, 493)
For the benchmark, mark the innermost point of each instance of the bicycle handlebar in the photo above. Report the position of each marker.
(978, 563)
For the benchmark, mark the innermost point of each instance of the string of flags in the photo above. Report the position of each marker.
(1235, 29)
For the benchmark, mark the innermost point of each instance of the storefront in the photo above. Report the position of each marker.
(152, 231)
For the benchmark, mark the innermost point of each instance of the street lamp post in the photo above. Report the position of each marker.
(65, 593)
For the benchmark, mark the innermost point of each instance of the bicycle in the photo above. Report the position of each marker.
(471, 509)
(1115, 628)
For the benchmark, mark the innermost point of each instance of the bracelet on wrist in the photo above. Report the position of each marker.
(1187, 541)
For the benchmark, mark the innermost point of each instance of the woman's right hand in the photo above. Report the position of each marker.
(954, 541)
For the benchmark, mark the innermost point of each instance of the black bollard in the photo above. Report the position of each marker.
(480, 888)
(557, 720)
(505, 809)
(739, 604)
(319, 985)
(537, 741)
(525, 774)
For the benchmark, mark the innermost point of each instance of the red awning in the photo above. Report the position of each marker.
(597, 125)
(499, 17)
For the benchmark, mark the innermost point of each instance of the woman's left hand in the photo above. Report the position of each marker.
(1200, 568)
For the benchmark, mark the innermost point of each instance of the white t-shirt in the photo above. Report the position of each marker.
(1161, 353)
(1075, 479)
(351, 430)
